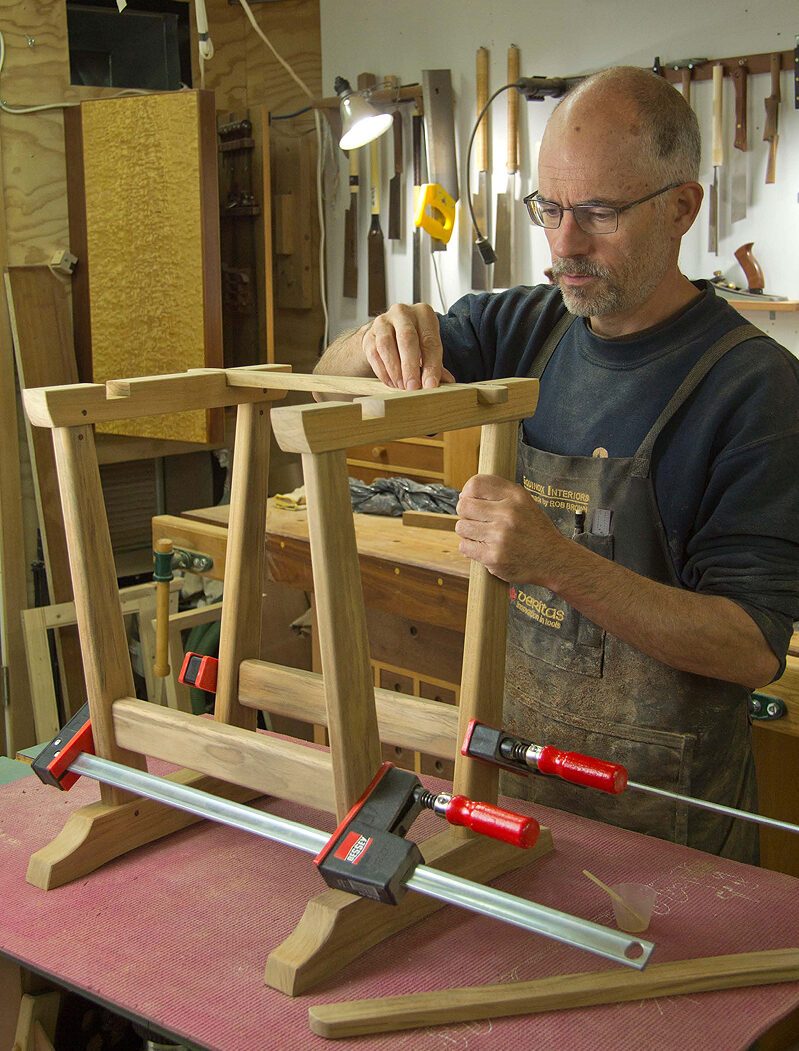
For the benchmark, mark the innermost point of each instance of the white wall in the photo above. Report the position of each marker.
(406, 36)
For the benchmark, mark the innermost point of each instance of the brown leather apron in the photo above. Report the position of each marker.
(572, 685)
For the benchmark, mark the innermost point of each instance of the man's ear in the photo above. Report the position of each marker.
(687, 202)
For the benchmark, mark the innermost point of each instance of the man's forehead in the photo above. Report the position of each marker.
(589, 161)
(607, 178)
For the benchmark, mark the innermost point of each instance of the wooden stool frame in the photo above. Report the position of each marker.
(336, 927)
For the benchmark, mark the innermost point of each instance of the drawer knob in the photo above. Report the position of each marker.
(380, 452)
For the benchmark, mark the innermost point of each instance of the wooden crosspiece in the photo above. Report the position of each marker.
(233, 759)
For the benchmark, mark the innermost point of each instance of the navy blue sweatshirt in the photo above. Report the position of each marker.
(724, 469)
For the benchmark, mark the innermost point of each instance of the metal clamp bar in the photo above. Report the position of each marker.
(718, 808)
(487, 901)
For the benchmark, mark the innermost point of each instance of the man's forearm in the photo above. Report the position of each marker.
(345, 356)
(704, 634)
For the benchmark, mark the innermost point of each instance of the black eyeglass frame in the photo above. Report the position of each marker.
(530, 199)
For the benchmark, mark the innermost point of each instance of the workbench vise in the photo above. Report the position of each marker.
(368, 854)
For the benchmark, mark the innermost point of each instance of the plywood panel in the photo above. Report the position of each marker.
(294, 30)
(152, 235)
(34, 174)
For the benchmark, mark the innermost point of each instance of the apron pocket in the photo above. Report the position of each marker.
(544, 627)
(659, 758)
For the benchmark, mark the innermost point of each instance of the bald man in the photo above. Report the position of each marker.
(651, 542)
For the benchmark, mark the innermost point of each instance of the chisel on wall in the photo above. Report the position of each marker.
(350, 283)
(738, 190)
(718, 159)
(376, 259)
(506, 200)
(395, 184)
(480, 200)
(417, 130)
(770, 133)
(377, 303)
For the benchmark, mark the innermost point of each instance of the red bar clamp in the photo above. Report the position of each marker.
(368, 854)
(521, 756)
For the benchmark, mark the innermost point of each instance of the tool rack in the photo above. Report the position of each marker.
(227, 756)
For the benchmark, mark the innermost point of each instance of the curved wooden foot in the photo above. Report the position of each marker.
(337, 927)
(101, 832)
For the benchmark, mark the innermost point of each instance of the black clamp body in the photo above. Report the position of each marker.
(51, 765)
(367, 854)
(496, 747)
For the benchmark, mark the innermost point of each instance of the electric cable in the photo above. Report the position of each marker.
(319, 160)
(484, 246)
(533, 89)
(16, 110)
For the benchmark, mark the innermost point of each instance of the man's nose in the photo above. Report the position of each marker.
(568, 239)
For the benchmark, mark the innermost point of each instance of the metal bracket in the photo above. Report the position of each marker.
(192, 561)
(765, 706)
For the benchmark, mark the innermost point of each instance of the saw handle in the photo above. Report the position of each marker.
(583, 770)
(505, 825)
(756, 282)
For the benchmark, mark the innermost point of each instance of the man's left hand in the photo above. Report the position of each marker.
(504, 529)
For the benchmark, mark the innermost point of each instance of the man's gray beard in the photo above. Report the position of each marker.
(621, 292)
(582, 303)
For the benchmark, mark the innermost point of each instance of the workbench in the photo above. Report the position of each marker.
(415, 586)
(174, 934)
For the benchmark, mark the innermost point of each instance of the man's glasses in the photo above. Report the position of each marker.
(591, 218)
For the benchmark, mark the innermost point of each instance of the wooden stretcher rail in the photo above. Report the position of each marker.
(403, 720)
(127, 399)
(271, 765)
(329, 427)
(79, 403)
(363, 386)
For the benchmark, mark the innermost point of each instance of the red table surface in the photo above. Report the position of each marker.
(178, 933)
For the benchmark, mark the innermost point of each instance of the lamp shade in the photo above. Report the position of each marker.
(360, 121)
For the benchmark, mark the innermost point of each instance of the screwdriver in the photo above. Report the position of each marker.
(522, 756)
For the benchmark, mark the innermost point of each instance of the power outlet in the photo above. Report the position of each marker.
(63, 261)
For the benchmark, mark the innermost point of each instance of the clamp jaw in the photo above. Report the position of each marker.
(522, 757)
(368, 854)
(52, 764)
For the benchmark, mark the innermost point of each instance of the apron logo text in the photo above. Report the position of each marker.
(555, 496)
(532, 607)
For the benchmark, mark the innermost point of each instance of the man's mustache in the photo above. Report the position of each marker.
(578, 268)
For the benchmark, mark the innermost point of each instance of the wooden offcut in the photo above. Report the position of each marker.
(387, 1014)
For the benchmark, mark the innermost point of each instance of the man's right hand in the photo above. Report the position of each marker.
(403, 348)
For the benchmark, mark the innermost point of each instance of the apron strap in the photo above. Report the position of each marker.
(643, 457)
(549, 345)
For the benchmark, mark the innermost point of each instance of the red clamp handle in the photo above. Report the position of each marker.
(493, 821)
(583, 770)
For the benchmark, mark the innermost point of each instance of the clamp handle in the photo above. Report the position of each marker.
(489, 820)
(584, 770)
